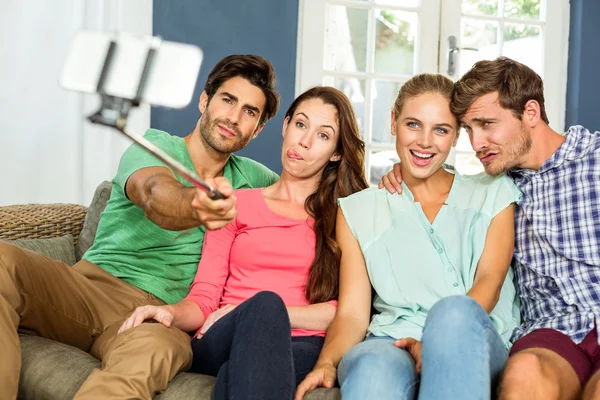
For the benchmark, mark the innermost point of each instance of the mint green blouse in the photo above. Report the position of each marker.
(412, 264)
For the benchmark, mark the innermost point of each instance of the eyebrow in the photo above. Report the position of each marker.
(235, 98)
(322, 126)
(479, 121)
(417, 120)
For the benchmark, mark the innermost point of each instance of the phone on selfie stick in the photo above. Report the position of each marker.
(127, 70)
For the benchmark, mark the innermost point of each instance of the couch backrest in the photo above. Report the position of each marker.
(88, 233)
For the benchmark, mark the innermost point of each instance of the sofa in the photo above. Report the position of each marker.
(55, 371)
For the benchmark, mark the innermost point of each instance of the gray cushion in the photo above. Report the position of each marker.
(324, 394)
(90, 224)
(55, 371)
(186, 385)
(60, 248)
(51, 370)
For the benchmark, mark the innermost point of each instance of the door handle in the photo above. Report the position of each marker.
(453, 50)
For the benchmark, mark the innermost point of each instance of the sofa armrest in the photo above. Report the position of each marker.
(36, 221)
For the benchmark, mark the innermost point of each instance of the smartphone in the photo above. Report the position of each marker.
(171, 77)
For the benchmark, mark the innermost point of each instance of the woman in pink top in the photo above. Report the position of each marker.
(266, 287)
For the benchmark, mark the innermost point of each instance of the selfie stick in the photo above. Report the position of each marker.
(114, 111)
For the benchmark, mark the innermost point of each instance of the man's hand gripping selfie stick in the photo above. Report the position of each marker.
(114, 111)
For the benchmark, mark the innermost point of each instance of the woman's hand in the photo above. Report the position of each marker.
(413, 347)
(321, 375)
(160, 314)
(214, 317)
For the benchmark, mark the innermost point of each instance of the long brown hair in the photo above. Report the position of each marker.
(340, 179)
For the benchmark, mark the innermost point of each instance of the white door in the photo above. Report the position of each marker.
(368, 48)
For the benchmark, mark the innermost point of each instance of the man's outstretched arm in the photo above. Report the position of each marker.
(174, 206)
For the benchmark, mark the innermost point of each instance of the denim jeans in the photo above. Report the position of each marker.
(252, 354)
(462, 358)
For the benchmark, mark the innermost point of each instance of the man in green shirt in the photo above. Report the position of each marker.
(147, 246)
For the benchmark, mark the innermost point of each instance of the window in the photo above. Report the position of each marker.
(369, 48)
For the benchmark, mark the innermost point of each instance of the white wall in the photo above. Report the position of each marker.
(48, 152)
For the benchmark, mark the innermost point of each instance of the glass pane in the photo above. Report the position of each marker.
(395, 41)
(523, 43)
(354, 88)
(480, 7)
(525, 9)
(380, 164)
(399, 3)
(345, 39)
(384, 95)
(480, 35)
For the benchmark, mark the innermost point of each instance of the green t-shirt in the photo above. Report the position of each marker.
(135, 249)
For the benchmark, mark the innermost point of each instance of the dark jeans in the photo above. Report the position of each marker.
(252, 354)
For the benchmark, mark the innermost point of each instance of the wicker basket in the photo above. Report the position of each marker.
(36, 221)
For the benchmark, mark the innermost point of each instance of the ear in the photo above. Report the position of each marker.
(532, 113)
(257, 131)
(335, 157)
(286, 122)
(203, 103)
(393, 123)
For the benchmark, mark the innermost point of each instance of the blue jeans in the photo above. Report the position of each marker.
(252, 354)
(462, 358)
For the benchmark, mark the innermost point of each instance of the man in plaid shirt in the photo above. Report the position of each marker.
(557, 228)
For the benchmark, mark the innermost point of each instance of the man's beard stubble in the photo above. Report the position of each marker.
(511, 155)
(209, 131)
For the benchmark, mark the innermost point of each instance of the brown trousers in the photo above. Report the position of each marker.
(84, 306)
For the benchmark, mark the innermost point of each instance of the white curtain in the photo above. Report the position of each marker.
(48, 152)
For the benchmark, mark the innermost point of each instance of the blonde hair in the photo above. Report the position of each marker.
(421, 84)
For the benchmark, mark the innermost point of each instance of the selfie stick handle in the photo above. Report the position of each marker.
(114, 111)
(175, 165)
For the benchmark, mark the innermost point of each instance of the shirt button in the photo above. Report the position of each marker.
(440, 250)
(455, 284)
(591, 325)
(569, 299)
(431, 230)
(591, 315)
(570, 309)
(539, 212)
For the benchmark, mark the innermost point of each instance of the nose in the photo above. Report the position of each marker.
(425, 138)
(477, 140)
(305, 139)
(234, 114)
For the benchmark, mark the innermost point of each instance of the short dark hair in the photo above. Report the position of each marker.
(515, 83)
(256, 69)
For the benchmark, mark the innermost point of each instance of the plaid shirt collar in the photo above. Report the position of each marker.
(570, 150)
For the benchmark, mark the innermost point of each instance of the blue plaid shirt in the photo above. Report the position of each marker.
(557, 239)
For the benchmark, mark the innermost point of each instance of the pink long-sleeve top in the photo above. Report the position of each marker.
(260, 250)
